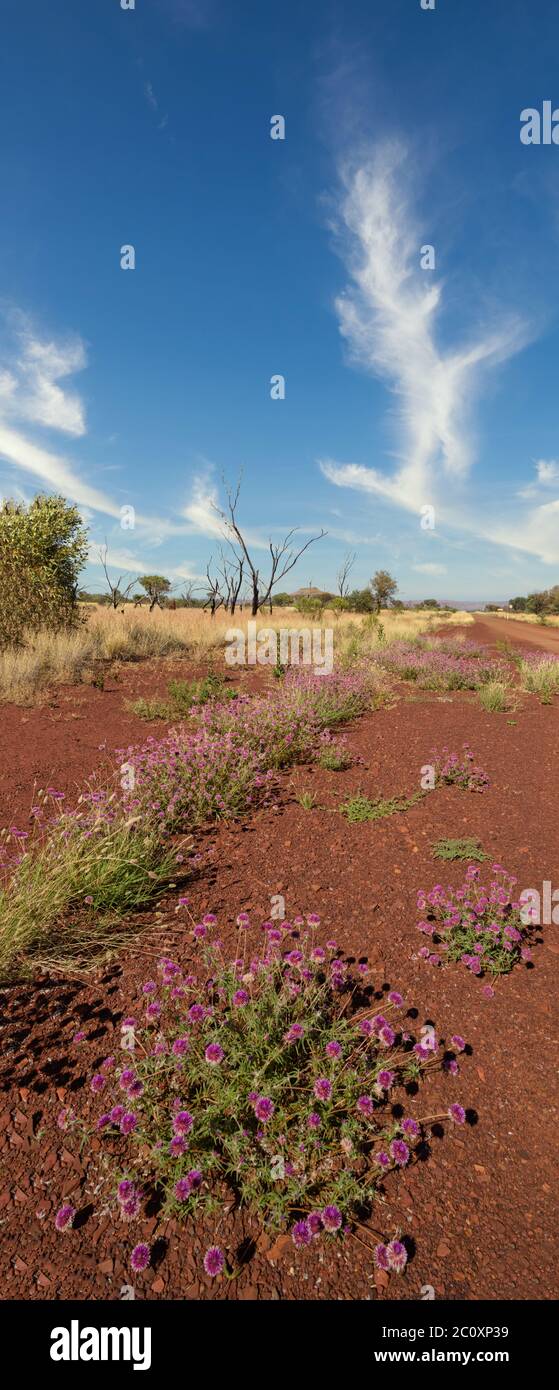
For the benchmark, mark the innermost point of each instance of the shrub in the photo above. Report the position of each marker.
(183, 697)
(480, 926)
(494, 697)
(435, 664)
(67, 893)
(228, 762)
(335, 758)
(360, 808)
(43, 546)
(270, 1078)
(459, 771)
(540, 674)
(459, 849)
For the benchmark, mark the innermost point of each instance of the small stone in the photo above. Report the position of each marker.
(442, 1250)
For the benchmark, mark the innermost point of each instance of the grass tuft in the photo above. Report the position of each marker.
(459, 849)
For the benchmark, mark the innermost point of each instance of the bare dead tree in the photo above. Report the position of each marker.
(117, 593)
(215, 597)
(342, 577)
(189, 590)
(232, 576)
(282, 557)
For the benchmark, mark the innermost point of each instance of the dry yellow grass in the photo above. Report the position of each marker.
(552, 620)
(69, 657)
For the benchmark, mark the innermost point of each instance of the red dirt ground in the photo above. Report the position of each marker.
(481, 1212)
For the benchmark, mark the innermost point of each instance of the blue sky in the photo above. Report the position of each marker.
(405, 387)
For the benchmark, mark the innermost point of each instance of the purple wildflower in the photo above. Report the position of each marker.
(301, 1234)
(214, 1261)
(397, 1256)
(331, 1218)
(264, 1108)
(140, 1257)
(323, 1088)
(380, 1257)
(182, 1122)
(400, 1152)
(64, 1218)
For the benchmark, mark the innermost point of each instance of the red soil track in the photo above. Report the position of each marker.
(481, 1211)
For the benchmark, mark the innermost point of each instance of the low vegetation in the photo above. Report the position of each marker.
(360, 808)
(270, 1078)
(540, 675)
(459, 849)
(480, 925)
(495, 697)
(68, 889)
(183, 697)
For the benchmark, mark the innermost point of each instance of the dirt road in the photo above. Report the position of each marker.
(489, 629)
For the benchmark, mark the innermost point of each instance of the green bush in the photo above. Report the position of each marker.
(43, 547)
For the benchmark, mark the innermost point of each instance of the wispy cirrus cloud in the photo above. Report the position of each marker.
(33, 394)
(430, 567)
(389, 316)
(152, 101)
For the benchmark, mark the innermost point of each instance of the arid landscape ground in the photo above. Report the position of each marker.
(477, 1207)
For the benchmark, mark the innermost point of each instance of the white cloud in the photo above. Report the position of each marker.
(430, 568)
(30, 389)
(547, 471)
(388, 317)
(53, 470)
(201, 510)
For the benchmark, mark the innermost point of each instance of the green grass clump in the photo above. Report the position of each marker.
(494, 697)
(183, 697)
(66, 900)
(459, 849)
(335, 758)
(541, 678)
(360, 808)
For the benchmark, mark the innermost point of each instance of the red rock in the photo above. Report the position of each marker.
(106, 1267)
(158, 1285)
(442, 1250)
(381, 1278)
(279, 1248)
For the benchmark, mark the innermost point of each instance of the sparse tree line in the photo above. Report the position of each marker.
(543, 601)
(44, 546)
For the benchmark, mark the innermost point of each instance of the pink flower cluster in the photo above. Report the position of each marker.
(480, 925)
(440, 665)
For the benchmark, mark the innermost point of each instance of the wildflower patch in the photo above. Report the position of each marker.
(272, 1076)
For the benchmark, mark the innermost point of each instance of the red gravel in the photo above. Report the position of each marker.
(481, 1212)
